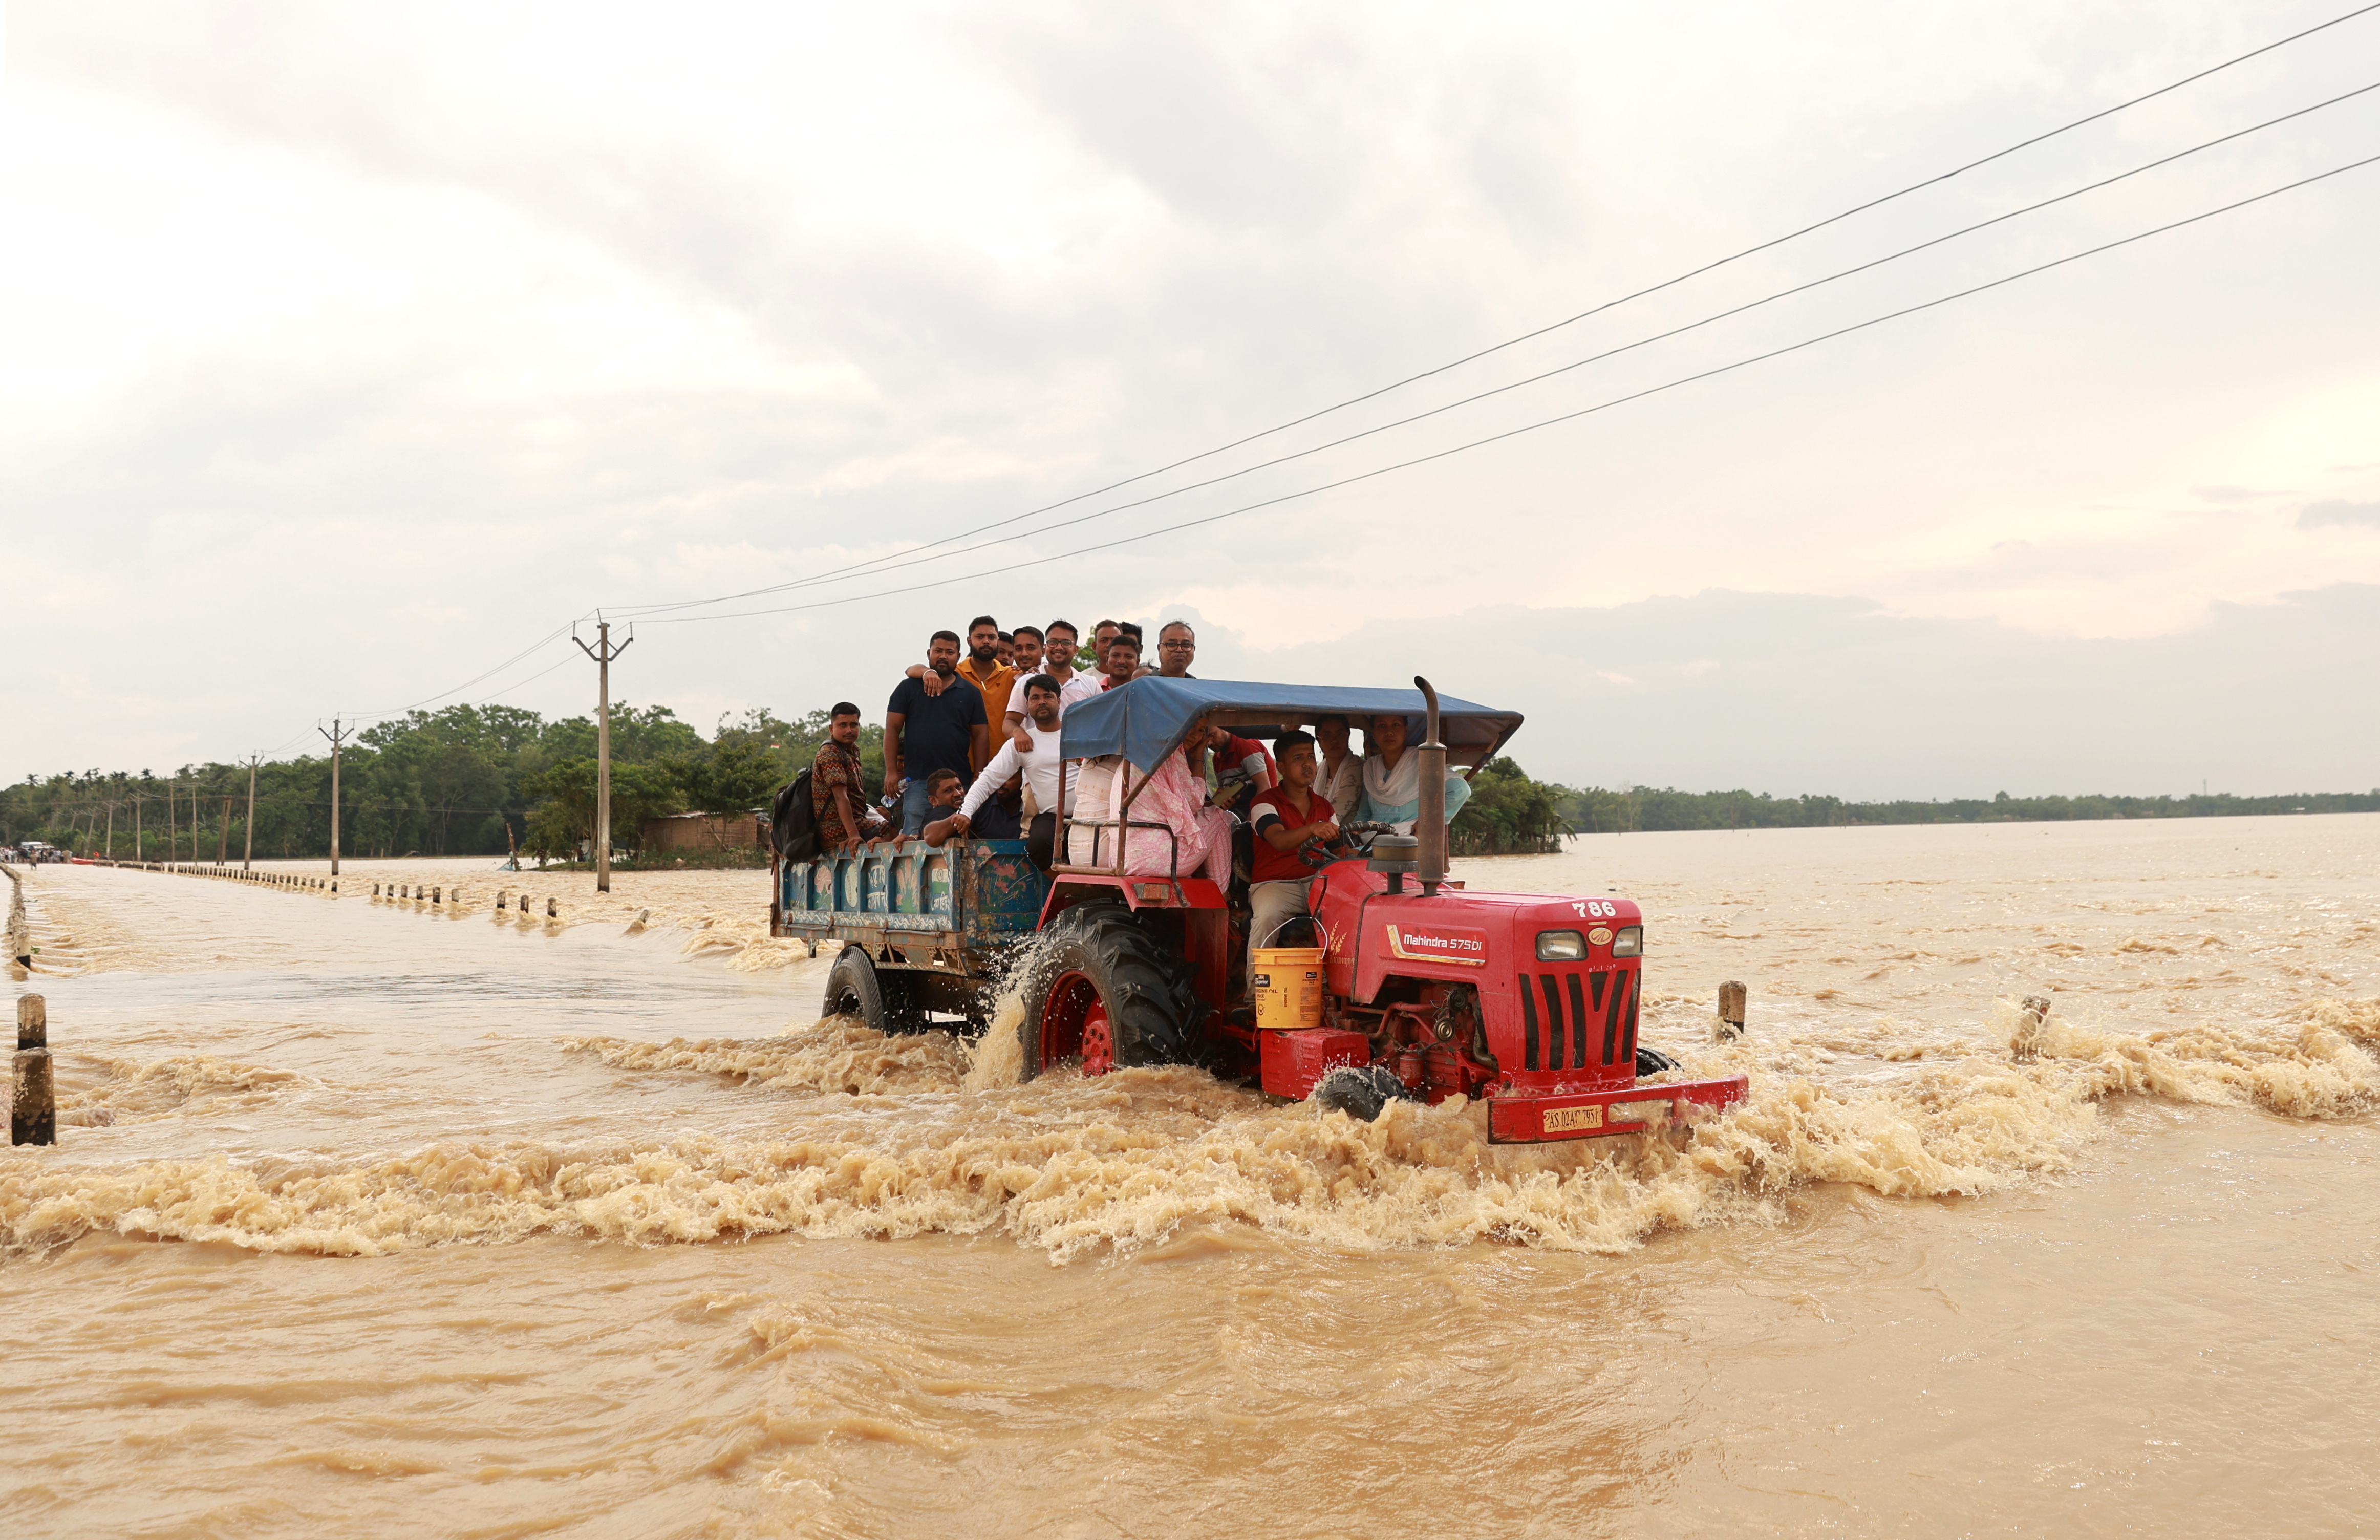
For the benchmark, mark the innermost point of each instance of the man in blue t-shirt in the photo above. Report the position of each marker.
(926, 732)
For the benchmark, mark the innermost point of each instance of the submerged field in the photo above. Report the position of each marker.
(380, 1218)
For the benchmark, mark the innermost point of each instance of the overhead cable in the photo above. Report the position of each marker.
(875, 563)
(546, 640)
(1547, 422)
(917, 561)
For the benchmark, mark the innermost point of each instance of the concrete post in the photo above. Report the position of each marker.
(33, 1101)
(1730, 1008)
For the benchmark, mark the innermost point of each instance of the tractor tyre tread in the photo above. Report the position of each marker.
(1652, 1061)
(1152, 1005)
(1362, 1091)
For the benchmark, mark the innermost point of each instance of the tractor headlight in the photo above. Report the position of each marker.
(1561, 946)
(1628, 942)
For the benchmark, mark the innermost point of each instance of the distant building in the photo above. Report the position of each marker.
(703, 831)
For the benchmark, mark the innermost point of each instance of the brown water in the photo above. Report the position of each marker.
(381, 1218)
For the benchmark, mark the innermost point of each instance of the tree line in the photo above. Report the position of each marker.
(464, 781)
(480, 780)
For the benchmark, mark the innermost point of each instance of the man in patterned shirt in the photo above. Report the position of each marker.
(842, 813)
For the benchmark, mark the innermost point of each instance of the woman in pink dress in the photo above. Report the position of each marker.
(1201, 844)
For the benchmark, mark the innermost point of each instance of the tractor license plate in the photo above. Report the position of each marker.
(1570, 1120)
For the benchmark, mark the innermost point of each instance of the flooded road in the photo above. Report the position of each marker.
(375, 1218)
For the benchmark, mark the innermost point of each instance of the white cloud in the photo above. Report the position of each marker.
(344, 352)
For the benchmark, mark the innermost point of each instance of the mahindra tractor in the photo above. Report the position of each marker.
(1425, 988)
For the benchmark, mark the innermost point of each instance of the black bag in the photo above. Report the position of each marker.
(793, 822)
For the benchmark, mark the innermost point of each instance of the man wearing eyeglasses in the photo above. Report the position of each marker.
(1177, 649)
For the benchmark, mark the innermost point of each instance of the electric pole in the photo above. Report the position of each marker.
(338, 736)
(603, 653)
(248, 833)
(223, 832)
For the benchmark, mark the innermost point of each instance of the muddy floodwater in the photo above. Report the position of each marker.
(373, 1217)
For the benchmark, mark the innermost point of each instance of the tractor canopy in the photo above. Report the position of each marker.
(1147, 719)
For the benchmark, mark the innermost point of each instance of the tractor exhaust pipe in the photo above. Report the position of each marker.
(1429, 819)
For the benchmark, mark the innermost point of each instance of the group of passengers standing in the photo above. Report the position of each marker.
(943, 776)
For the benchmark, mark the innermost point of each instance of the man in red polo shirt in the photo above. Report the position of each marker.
(1293, 829)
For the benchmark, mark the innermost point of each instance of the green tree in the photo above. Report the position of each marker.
(733, 778)
(638, 736)
(795, 744)
(566, 815)
(1508, 815)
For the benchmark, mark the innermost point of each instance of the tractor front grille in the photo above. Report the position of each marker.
(1559, 1023)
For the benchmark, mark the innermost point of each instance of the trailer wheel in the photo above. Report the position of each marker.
(1103, 991)
(883, 1001)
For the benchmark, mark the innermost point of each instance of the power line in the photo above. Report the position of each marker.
(884, 564)
(875, 563)
(1581, 363)
(546, 640)
(1547, 422)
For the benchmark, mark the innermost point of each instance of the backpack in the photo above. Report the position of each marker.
(793, 822)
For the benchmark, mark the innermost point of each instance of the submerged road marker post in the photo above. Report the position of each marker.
(20, 929)
(553, 910)
(33, 1101)
(2033, 1016)
(1731, 1010)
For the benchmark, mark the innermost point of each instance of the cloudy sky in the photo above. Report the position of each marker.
(346, 352)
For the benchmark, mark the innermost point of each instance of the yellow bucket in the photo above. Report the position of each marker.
(1288, 985)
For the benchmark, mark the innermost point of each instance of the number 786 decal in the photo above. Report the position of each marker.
(1595, 908)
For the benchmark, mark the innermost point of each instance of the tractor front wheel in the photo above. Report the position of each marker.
(1104, 994)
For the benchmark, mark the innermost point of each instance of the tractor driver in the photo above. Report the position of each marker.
(1294, 827)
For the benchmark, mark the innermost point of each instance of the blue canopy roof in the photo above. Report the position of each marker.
(1146, 720)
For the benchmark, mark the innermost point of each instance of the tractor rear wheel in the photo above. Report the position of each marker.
(1104, 992)
(880, 999)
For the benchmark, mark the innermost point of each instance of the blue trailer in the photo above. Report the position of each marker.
(915, 932)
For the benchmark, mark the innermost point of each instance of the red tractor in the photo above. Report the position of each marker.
(1429, 989)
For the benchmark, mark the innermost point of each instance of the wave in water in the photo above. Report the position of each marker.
(906, 1135)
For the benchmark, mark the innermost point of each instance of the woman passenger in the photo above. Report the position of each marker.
(1392, 778)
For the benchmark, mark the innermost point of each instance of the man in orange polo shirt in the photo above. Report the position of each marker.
(983, 668)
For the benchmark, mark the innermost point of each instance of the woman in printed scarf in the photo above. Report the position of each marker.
(1392, 778)
(1200, 844)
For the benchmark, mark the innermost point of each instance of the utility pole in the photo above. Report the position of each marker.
(337, 735)
(603, 653)
(173, 840)
(248, 834)
(136, 854)
(223, 832)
